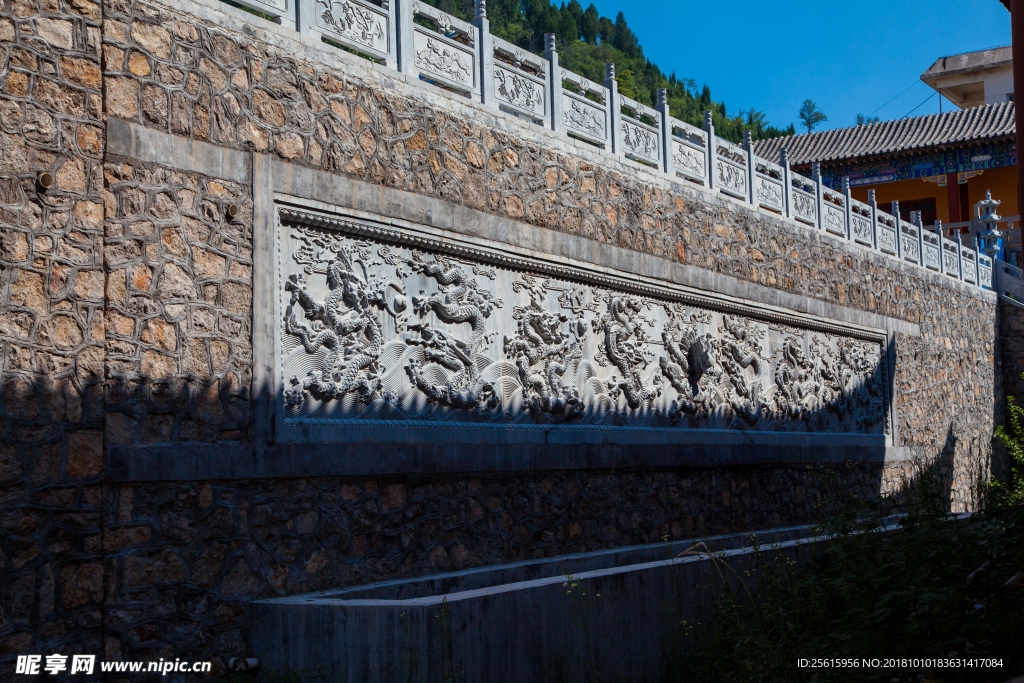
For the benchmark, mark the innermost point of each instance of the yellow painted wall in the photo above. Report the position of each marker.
(1002, 182)
(903, 190)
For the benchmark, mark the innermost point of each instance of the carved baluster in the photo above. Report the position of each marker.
(787, 185)
(666, 132)
(712, 150)
(959, 253)
(486, 47)
(874, 218)
(920, 238)
(899, 229)
(849, 207)
(942, 246)
(748, 145)
(554, 82)
(819, 193)
(406, 44)
(614, 113)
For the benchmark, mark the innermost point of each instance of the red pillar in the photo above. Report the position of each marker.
(1017, 36)
(953, 193)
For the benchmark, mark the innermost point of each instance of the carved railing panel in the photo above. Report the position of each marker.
(969, 264)
(769, 188)
(582, 115)
(639, 139)
(520, 80)
(381, 324)
(984, 270)
(272, 8)
(804, 198)
(885, 224)
(950, 259)
(689, 151)
(861, 229)
(448, 55)
(932, 253)
(730, 168)
(909, 242)
(356, 24)
(833, 211)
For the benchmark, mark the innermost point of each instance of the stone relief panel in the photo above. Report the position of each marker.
(354, 22)
(769, 192)
(640, 141)
(861, 228)
(582, 117)
(373, 329)
(805, 206)
(445, 60)
(688, 160)
(909, 243)
(518, 91)
(930, 257)
(834, 218)
(731, 178)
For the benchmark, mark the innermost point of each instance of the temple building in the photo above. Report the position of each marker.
(940, 164)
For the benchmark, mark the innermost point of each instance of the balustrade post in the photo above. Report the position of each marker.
(554, 82)
(614, 110)
(959, 254)
(406, 42)
(873, 203)
(787, 184)
(899, 230)
(748, 145)
(666, 133)
(942, 247)
(486, 43)
(919, 222)
(848, 205)
(712, 146)
(819, 193)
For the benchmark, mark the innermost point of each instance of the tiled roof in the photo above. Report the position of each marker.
(950, 129)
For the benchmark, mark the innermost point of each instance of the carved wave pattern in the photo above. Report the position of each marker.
(518, 91)
(583, 118)
(970, 271)
(861, 228)
(442, 60)
(688, 160)
(835, 221)
(353, 23)
(950, 263)
(887, 239)
(731, 178)
(375, 331)
(639, 141)
(769, 193)
(803, 206)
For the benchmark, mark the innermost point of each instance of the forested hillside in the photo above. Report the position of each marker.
(587, 41)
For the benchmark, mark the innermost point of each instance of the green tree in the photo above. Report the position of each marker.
(861, 119)
(590, 25)
(810, 115)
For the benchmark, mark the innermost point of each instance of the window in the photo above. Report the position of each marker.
(925, 206)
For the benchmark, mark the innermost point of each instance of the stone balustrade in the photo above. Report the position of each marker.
(466, 60)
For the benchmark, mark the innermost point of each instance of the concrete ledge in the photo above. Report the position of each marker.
(532, 616)
(145, 144)
(358, 456)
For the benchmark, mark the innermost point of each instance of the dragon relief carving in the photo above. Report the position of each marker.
(459, 300)
(345, 323)
(623, 345)
(545, 346)
(350, 21)
(690, 365)
(741, 349)
(358, 345)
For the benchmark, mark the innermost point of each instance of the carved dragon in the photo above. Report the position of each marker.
(459, 300)
(624, 338)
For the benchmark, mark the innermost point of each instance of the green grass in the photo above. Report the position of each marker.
(935, 586)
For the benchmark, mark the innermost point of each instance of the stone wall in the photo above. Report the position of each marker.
(1011, 337)
(127, 320)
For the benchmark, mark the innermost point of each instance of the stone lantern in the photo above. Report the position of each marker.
(988, 224)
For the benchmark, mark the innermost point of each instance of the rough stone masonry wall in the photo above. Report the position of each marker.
(1011, 337)
(129, 276)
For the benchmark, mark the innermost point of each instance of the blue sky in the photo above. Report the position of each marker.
(849, 57)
